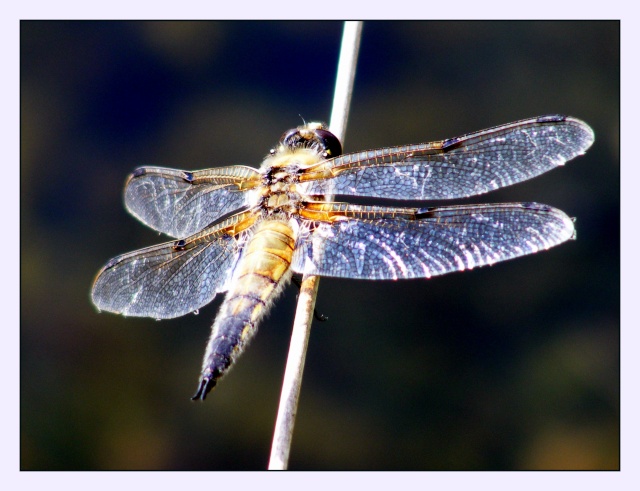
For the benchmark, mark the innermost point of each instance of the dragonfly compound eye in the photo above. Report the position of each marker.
(291, 139)
(330, 142)
(313, 136)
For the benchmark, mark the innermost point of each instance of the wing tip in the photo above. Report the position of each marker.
(584, 132)
(564, 224)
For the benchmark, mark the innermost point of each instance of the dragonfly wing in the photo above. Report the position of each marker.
(455, 168)
(422, 243)
(171, 279)
(181, 203)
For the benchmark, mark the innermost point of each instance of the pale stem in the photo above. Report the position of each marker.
(283, 432)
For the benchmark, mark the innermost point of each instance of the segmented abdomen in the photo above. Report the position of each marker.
(257, 278)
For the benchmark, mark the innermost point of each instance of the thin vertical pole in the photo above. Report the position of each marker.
(283, 432)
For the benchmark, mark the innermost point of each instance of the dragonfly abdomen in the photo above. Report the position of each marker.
(258, 277)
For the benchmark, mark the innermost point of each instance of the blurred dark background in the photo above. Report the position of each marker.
(514, 366)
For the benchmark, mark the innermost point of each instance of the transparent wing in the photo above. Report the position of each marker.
(171, 279)
(374, 244)
(181, 203)
(455, 168)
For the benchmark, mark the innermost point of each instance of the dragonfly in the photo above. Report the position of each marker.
(245, 231)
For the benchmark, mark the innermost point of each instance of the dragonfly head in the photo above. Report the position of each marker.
(315, 136)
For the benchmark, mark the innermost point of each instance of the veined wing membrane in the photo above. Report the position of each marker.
(181, 203)
(379, 243)
(174, 278)
(455, 168)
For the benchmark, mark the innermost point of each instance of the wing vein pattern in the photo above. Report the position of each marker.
(456, 168)
(420, 243)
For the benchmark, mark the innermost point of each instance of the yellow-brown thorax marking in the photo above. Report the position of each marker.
(281, 192)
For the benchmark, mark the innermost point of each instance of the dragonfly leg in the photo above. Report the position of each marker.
(297, 280)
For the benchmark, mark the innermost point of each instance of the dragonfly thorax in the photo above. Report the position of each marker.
(280, 189)
(279, 193)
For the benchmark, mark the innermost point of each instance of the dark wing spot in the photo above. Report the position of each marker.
(425, 212)
(536, 206)
(140, 171)
(451, 143)
(551, 118)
